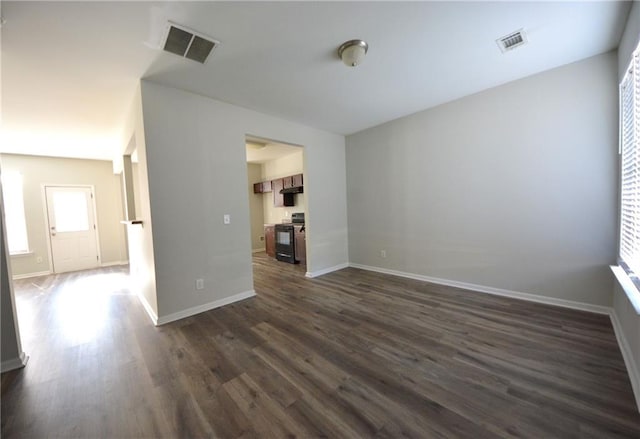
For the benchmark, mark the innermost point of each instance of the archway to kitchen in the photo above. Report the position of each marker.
(277, 207)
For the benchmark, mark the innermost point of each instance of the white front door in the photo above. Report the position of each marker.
(72, 228)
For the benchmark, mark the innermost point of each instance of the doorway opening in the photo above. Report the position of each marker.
(277, 204)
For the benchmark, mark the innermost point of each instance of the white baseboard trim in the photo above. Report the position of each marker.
(206, 307)
(15, 363)
(46, 273)
(627, 355)
(113, 264)
(152, 314)
(312, 274)
(259, 250)
(28, 275)
(490, 290)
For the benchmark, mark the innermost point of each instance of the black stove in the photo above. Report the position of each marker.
(297, 218)
(285, 238)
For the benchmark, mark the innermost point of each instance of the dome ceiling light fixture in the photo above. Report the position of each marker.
(352, 52)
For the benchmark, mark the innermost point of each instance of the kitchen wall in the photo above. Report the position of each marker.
(37, 171)
(196, 163)
(256, 208)
(513, 188)
(289, 165)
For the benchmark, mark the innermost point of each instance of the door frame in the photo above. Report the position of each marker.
(251, 136)
(43, 188)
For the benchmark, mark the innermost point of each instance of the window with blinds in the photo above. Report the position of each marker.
(630, 166)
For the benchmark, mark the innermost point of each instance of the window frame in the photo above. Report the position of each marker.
(15, 214)
(631, 78)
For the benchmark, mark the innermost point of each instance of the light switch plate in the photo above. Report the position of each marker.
(227, 218)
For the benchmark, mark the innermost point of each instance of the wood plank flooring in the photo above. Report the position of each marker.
(351, 354)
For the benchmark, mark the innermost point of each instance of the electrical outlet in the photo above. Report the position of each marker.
(227, 218)
(199, 284)
(383, 253)
(261, 238)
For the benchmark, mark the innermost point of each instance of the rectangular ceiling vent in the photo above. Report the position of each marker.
(186, 43)
(511, 41)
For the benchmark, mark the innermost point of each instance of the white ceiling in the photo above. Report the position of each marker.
(259, 153)
(69, 69)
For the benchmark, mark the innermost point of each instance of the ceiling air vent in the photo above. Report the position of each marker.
(513, 40)
(189, 44)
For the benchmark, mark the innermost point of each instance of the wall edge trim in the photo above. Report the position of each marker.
(312, 274)
(627, 356)
(29, 275)
(114, 263)
(148, 309)
(599, 309)
(14, 363)
(205, 307)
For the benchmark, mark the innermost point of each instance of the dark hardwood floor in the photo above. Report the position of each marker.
(350, 354)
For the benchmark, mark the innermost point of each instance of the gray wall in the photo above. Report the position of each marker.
(197, 172)
(512, 188)
(10, 349)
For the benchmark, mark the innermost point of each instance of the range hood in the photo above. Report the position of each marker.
(293, 190)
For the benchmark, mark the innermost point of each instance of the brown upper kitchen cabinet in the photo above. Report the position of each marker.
(276, 187)
(262, 187)
(280, 200)
(296, 180)
(287, 182)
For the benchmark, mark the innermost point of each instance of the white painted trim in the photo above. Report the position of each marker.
(490, 290)
(259, 250)
(15, 363)
(28, 275)
(627, 355)
(312, 274)
(114, 263)
(43, 190)
(46, 273)
(206, 307)
(22, 254)
(148, 309)
(628, 286)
